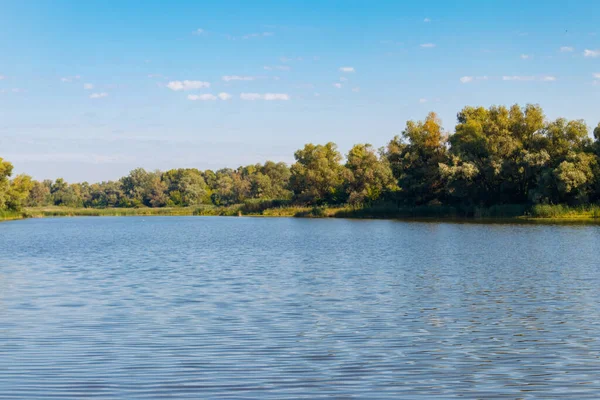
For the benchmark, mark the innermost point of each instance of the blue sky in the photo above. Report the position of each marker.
(92, 89)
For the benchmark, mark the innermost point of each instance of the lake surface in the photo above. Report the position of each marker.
(213, 307)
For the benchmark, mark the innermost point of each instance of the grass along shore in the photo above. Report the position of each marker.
(516, 213)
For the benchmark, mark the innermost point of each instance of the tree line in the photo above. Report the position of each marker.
(495, 156)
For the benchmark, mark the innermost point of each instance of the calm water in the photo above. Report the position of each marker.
(192, 307)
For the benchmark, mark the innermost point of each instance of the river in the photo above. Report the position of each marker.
(217, 307)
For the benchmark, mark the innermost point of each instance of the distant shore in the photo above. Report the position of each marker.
(545, 214)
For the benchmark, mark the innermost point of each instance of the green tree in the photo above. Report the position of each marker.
(367, 175)
(496, 154)
(6, 169)
(415, 157)
(317, 176)
(186, 187)
(144, 188)
(18, 192)
(39, 195)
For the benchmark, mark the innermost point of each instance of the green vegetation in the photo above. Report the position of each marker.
(498, 163)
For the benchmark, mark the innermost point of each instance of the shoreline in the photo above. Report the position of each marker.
(293, 212)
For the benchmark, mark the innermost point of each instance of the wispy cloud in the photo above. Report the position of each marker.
(277, 68)
(337, 85)
(566, 49)
(224, 96)
(13, 90)
(356, 89)
(80, 157)
(67, 79)
(422, 101)
(257, 35)
(525, 56)
(591, 53)
(202, 97)
(391, 42)
(98, 95)
(88, 86)
(347, 69)
(428, 45)
(2, 77)
(597, 75)
(289, 59)
(518, 78)
(469, 79)
(187, 85)
(426, 20)
(265, 96)
(199, 31)
(543, 78)
(229, 78)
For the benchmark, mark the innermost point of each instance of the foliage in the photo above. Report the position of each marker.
(499, 162)
(317, 175)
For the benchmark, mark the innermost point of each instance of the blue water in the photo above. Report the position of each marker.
(239, 308)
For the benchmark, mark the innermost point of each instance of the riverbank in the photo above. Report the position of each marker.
(508, 213)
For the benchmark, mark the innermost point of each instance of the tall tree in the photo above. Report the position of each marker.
(415, 157)
(317, 176)
(367, 175)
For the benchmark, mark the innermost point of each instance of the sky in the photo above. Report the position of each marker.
(92, 89)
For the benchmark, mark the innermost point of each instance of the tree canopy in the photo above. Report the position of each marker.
(497, 155)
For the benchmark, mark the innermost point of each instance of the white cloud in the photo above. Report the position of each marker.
(597, 75)
(2, 77)
(566, 49)
(70, 78)
(427, 20)
(198, 31)
(337, 85)
(266, 96)
(98, 95)
(544, 78)
(356, 89)
(88, 86)
(250, 96)
(518, 78)
(347, 69)
(422, 101)
(342, 79)
(228, 78)
(13, 90)
(285, 59)
(469, 79)
(202, 97)
(427, 45)
(276, 96)
(187, 85)
(591, 53)
(224, 96)
(81, 157)
(255, 35)
(525, 56)
(277, 68)
(155, 76)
